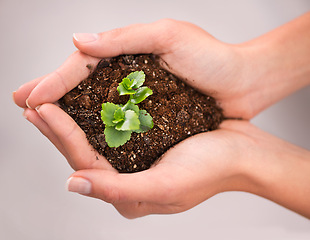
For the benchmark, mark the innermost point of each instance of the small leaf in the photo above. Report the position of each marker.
(140, 95)
(115, 138)
(118, 116)
(146, 122)
(130, 106)
(128, 83)
(138, 77)
(123, 90)
(107, 113)
(131, 122)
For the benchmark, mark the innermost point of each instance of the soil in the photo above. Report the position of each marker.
(178, 110)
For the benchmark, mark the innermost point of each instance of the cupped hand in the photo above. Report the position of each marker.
(189, 173)
(236, 157)
(207, 64)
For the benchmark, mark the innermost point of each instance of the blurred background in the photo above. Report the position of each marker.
(36, 37)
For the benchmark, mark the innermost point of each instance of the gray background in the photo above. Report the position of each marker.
(36, 38)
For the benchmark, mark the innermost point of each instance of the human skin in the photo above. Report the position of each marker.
(236, 157)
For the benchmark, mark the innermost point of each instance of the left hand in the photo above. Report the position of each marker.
(188, 174)
(197, 58)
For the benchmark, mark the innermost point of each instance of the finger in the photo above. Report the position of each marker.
(172, 40)
(118, 188)
(156, 38)
(33, 117)
(133, 195)
(72, 138)
(21, 94)
(56, 84)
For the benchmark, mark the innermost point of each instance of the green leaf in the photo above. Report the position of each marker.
(115, 138)
(123, 90)
(107, 113)
(118, 116)
(138, 77)
(130, 106)
(140, 95)
(146, 122)
(128, 83)
(131, 122)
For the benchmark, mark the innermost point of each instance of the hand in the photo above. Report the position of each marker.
(244, 78)
(236, 157)
(191, 53)
(188, 174)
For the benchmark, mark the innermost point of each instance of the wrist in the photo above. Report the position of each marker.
(266, 166)
(276, 64)
(280, 172)
(270, 74)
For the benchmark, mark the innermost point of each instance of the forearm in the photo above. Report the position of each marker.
(280, 60)
(282, 174)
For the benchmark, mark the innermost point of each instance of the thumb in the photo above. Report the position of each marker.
(113, 187)
(138, 38)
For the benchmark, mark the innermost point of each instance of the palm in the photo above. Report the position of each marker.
(189, 173)
(197, 166)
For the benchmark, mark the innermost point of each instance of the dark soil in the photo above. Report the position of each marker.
(178, 110)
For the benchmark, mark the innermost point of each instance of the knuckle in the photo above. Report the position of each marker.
(168, 31)
(69, 133)
(59, 76)
(115, 38)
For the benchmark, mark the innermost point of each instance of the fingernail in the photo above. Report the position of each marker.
(24, 114)
(85, 37)
(37, 108)
(78, 185)
(27, 104)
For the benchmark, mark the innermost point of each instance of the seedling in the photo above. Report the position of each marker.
(121, 120)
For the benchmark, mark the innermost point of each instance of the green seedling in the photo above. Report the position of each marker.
(121, 120)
